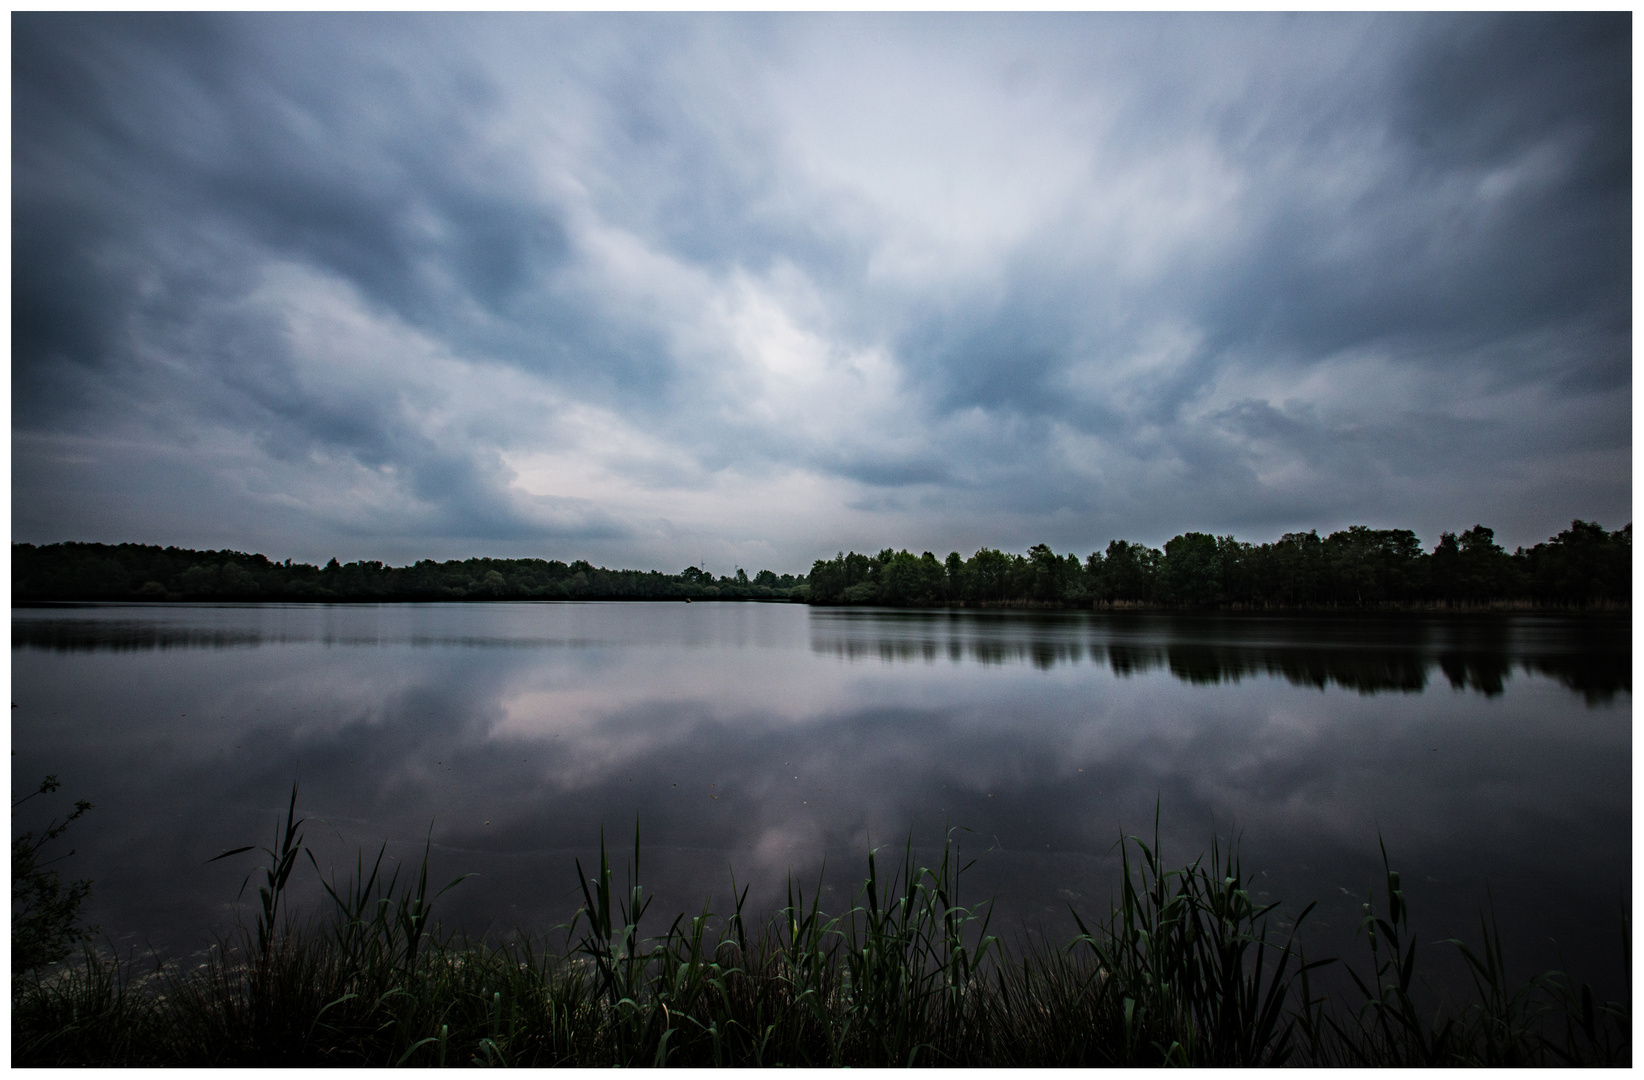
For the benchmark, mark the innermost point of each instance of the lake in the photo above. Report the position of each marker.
(1492, 754)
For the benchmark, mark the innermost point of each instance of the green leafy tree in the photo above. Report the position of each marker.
(1362, 565)
(954, 576)
(1191, 571)
(1045, 566)
(1095, 575)
(988, 575)
(1237, 570)
(1487, 572)
(1444, 569)
(1581, 565)
(1130, 570)
(1295, 570)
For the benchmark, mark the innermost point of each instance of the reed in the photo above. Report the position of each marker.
(1184, 969)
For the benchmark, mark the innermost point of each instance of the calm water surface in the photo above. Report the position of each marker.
(1487, 752)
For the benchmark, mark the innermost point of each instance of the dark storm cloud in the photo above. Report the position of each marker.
(767, 286)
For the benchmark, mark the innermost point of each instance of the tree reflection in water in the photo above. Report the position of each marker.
(1369, 655)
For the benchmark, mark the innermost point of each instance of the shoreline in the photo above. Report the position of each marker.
(1184, 969)
(1497, 607)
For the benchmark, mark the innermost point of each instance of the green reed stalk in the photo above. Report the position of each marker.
(1182, 970)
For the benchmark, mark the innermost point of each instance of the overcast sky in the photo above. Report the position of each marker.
(655, 289)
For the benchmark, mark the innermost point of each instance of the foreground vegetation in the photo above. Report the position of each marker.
(45, 911)
(1185, 969)
(1358, 567)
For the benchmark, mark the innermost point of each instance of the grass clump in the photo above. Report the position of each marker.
(45, 911)
(1184, 969)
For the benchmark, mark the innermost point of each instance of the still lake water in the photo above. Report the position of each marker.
(1486, 751)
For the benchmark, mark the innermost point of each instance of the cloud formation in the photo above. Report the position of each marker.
(652, 289)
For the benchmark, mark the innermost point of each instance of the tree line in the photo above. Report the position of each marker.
(1359, 566)
(1583, 566)
(76, 571)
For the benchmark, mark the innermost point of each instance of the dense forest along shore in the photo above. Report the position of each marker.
(1583, 567)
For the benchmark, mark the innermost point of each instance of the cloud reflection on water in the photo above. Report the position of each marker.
(769, 739)
(1369, 655)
